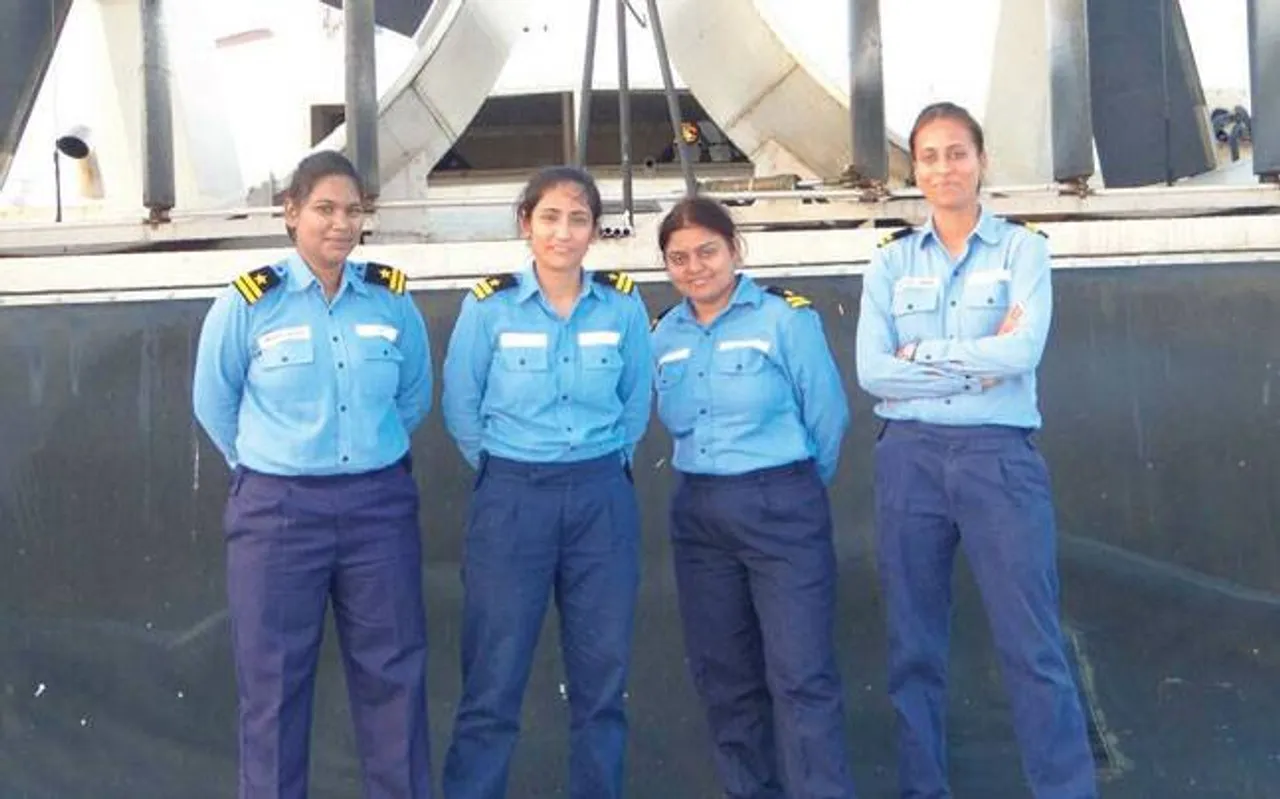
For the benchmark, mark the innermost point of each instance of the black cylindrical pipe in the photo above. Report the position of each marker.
(1070, 90)
(588, 71)
(158, 192)
(673, 103)
(624, 113)
(870, 159)
(362, 92)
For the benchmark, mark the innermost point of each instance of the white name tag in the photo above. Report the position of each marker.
(509, 340)
(916, 282)
(746, 344)
(989, 277)
(268, 340)
(599, 338)
(681, 354)
(378, 331)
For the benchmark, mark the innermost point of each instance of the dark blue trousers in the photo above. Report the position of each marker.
(534, 529)
(756, 571)
(293, 544)
(985, 489)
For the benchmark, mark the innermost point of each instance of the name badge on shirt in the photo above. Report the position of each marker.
(378, 331)
(916, 282)
(989, 277)
(509, 340)
(599, 338)
(746, 344)
(681, 354)
(276, 337)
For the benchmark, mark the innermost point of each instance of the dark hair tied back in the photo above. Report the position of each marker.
(698, 212)
(547, 179)
(315, 168)
(945, 110)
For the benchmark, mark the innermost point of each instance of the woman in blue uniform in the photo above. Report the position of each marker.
(310, 376)
(546, 391)
(953, 323)
(753, 400)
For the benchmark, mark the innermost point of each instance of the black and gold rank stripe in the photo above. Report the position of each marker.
(253, 285)
(388, 277)
(491, 285)
(620, 281)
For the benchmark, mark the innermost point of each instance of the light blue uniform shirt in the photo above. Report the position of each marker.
(296, 385)
(522, 383)
(755, 388)
(915, 291)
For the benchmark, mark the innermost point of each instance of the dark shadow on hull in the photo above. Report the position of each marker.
(115, 675)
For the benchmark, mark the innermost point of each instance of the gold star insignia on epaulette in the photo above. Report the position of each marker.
(620, 281)
(388, 277)
(796, 301)
(900, 233)
(489, 286)
(1029, 226)
(253, 285)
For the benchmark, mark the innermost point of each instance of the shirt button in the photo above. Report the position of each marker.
(991, 300)
(335, 339)
(703, 450)
(701, 374)
(948, 402)
(342, 408)
(345, 459)
(565, 359)
(341, 365)
(564, 397)
(703, 411)
(522, 361)
(910, 306)
(569, 429)
(953, 303)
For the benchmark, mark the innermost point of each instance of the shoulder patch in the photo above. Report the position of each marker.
(653, 325)
(489, 286)
(796, 301)
(388, 277)
(617, 280)
(254, 285)
(900, 233)
(1025, 224)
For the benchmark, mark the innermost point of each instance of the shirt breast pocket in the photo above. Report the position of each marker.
(380, 362)
(286, 370)
(985, 306)
(523, 361)
(671, 374)
(915, 312)
(601, 359)
(740, 362)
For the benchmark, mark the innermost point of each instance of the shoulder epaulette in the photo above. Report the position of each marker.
(900, 233)
(796, 301)
(1025, 224)
(654, 324)
(388, 277)
(618, 280)
(489, 286)
(253, 285)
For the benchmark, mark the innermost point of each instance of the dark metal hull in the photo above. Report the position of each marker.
(115, 674)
